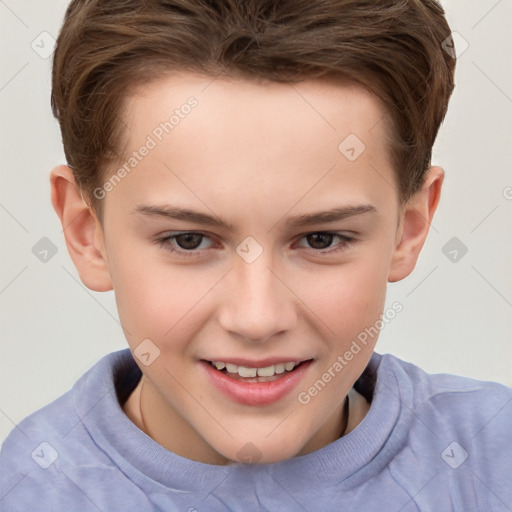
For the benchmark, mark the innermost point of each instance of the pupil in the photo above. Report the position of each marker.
(314, 238)
(186, 240)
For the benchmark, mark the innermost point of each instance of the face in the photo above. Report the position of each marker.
(218, 253)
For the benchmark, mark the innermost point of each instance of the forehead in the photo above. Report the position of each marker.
(332, 103)
(228, 134)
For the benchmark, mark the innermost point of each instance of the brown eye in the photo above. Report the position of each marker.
(189, 241)
(326, 243)
(320, 240)
(186, 244)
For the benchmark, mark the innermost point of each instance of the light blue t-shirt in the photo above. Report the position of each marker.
(429, 443)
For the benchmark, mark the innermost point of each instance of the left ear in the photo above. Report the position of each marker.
(415, 222)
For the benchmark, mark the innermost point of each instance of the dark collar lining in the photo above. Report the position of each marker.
(128, 376)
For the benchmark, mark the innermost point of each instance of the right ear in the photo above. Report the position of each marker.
(82, 230)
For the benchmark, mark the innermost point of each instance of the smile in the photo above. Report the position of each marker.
(251, 385)
(245, 372)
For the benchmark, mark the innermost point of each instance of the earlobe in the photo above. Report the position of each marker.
(416, 219)
(82, 230)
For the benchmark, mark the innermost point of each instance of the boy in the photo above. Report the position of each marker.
(260, 131)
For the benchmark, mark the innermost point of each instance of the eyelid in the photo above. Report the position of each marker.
(163, 241)
(347, 241)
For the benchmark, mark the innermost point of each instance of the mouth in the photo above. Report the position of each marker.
(268, 373)
(252, 384)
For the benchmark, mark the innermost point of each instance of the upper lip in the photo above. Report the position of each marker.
(260, 363)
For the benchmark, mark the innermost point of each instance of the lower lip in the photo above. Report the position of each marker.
(256, 393)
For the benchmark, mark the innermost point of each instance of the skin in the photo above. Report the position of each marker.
(255, 154)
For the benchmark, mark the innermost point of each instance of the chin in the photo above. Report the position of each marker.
(260, 452)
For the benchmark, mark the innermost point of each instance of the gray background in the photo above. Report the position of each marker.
(456, 317)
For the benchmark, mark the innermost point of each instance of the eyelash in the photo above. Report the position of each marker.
(164, 242)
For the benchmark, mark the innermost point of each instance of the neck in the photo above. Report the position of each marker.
(145, 409)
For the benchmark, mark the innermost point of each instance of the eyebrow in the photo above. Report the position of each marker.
(333, 215)
(308, 219)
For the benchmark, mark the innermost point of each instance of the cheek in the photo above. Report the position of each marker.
(348, 297)
(162, 300)
(155, 299)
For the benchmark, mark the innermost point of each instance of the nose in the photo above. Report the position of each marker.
(258, 303)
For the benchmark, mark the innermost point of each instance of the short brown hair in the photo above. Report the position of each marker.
(393, 48)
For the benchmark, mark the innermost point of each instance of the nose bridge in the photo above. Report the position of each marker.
(257, 304)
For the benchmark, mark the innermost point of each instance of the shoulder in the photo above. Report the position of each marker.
(455, 430)
(455, 396)
(46, 455)
(30, 451)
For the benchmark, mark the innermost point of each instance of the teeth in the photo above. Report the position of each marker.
(231, 368)
(267, 371)
(246, 372)
(279, 368)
